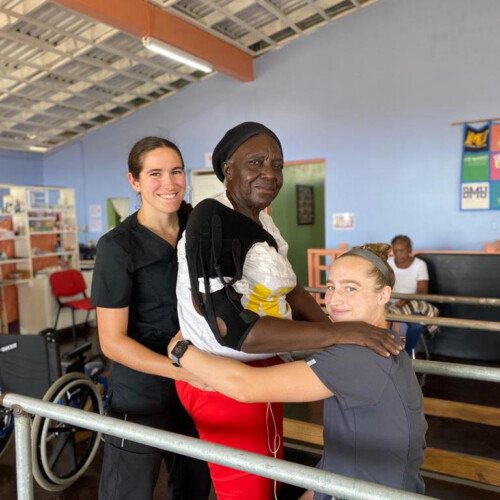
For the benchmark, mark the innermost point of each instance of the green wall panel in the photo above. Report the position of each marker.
(284, 213)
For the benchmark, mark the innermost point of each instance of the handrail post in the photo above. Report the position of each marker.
(22, 429)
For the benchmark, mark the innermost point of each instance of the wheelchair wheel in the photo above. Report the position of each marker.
(62, 452)
(6, 428)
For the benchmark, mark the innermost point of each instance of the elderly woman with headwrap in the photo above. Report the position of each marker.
(237, 294)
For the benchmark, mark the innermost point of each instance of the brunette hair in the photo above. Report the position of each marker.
(144, 146)
(383, 277)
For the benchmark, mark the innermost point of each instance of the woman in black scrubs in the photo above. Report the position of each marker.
(134, 290)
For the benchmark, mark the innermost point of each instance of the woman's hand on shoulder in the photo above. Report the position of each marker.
(380, 340)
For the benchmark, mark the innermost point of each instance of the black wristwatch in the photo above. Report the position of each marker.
(178, 351)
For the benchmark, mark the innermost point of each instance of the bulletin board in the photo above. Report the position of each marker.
(204, 184)
(480, 179)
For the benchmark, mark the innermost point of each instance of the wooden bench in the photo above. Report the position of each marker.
(436, 460)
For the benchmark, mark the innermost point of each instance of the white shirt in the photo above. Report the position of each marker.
(267, 278)
(406, 279)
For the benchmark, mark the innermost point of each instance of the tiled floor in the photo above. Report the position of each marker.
(450, 434)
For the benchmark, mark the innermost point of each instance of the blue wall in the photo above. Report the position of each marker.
(374, 94)
(21, 168)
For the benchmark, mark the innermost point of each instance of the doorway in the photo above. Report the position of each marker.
(118, 210)
(299, 211)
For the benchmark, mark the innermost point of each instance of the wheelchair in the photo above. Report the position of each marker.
(31, 365)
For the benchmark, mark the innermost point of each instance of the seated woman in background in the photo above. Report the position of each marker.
(412, 276)
(374, 424)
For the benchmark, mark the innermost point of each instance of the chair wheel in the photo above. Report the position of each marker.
(62, 452)
(6, 428)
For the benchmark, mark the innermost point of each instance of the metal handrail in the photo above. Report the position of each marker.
(472, 324)
(298, 475)
(287, 472)
(448, 299)
(442, 299)
(457, 370)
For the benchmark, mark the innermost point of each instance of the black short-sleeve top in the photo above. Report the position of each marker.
(136, 268)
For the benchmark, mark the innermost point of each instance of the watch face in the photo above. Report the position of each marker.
(179, 350)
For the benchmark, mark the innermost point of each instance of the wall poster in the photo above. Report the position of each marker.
(480, 180)
(343, 220)
(305, 204)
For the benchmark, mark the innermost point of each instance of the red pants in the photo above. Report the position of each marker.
(245, 426)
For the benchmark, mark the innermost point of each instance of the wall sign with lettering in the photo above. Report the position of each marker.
(480, 181)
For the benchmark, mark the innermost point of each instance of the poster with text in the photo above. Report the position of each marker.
(480, 180)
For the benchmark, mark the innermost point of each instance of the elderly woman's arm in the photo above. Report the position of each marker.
(312, 329)
(270, 334)
(304, 307)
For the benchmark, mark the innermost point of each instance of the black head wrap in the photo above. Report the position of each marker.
(233, 139)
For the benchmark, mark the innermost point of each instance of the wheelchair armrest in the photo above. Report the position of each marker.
(50, 334)
(78, 352)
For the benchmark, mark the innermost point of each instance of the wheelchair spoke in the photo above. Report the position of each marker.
(83, 398)
(75, 463)
(59, 448)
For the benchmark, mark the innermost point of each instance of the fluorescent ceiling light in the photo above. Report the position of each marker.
(176, 54)
(38, 149)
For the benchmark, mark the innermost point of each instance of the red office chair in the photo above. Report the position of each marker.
(68, 283)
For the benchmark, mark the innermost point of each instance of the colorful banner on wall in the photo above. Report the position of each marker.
(480, 182)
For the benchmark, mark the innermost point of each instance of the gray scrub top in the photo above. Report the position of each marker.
(374, 426)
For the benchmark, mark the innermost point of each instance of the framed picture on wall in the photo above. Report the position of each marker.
(305, 204)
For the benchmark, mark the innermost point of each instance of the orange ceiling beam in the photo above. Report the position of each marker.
(131, 16)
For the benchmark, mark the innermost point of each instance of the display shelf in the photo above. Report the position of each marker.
(13, 282)
(42, 220)
(13, 238)
(54, 210)
(10, 214)
(38, 233)
(14, 261)
(53, 254)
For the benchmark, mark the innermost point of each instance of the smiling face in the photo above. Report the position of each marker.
(254, 175)
(161, 182)
(351, 292)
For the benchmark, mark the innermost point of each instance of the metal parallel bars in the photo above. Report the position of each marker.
(473, 324)
(457, 370)
(299, 475)
(442, 299)
(448, 299)
(22, 433)
(287, 472)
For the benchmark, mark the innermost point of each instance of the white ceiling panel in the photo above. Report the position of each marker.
(63, 74)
